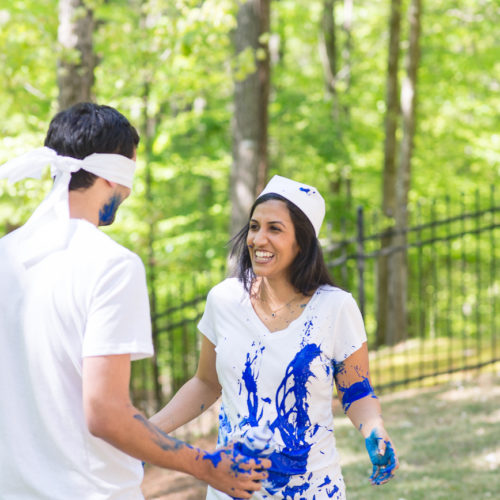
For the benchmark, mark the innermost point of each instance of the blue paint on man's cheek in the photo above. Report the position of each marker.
(356, 391)
(108, 211)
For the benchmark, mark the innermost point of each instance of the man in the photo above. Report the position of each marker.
(73, 314)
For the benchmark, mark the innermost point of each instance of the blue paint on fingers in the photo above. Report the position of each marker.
(383, 464)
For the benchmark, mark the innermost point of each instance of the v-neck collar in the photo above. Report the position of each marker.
(291, 325)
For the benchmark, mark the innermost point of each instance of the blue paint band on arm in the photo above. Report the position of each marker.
(355, 392)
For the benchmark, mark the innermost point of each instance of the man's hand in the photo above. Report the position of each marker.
(382, 456)
(234, 474)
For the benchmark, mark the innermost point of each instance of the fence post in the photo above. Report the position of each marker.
(360, 258)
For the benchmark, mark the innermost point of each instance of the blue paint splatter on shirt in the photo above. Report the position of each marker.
(306, 334)
(250, 381)
(332, 492)
(325, 482)
(225, 428)
(293, 420)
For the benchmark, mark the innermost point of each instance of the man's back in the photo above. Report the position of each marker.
(87, 299)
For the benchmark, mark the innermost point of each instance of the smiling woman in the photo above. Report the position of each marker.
(276, 337)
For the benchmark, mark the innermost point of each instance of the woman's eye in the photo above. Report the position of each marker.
(252, 227)
(275, 228)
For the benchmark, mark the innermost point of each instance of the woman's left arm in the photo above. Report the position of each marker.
(363, 409)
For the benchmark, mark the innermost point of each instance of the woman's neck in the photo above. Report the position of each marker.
(274, 291)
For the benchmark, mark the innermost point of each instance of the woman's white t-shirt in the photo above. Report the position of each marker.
(285, 379)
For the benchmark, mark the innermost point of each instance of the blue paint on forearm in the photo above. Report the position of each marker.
(356, 391)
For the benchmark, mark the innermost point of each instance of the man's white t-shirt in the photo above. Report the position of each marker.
(89, 299)
(286, 379)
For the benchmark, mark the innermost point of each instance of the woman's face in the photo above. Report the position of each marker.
(271, 240)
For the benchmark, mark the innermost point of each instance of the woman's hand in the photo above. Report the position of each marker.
(382, 455)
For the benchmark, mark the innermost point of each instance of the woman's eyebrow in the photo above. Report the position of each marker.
(269, 223)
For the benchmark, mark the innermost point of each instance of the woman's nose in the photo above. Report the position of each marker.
(259, 237)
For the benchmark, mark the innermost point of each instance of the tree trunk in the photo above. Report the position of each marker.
(392, 111)
(347, 48)
(328, 45)
(250, 163)
(393, 318)
(75, 72)
(385, 296)
(397, 329)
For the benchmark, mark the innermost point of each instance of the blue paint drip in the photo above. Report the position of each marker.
(383, 465)
(293, 421)
(291, 491)
(225, 428)
(252, 399)
(304, 190)
(332, 492)
(306, 333)
(356, 391)
(107, 212)
(325, 482)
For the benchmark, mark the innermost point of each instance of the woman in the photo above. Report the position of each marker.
(275, 339)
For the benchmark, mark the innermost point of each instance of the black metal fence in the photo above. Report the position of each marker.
(451, 250)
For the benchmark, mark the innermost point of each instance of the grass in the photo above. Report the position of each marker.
(447, 438)
(420, 360)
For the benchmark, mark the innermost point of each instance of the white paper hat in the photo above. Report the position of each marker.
(307, 198)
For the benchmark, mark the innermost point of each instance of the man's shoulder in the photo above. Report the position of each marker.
(90, 241)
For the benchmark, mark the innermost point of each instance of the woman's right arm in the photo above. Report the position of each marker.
(195, 396)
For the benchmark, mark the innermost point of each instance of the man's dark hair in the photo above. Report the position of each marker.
(87, 128)
(308, 270)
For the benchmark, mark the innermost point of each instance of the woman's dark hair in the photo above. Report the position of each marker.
(308, 270)
(87, 128)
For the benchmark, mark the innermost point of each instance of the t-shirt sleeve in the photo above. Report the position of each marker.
(206, 324)
(119, 319)
(350, 329)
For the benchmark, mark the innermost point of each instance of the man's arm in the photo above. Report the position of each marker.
(111, 416)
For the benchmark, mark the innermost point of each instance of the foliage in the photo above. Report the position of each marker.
(169, 66)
